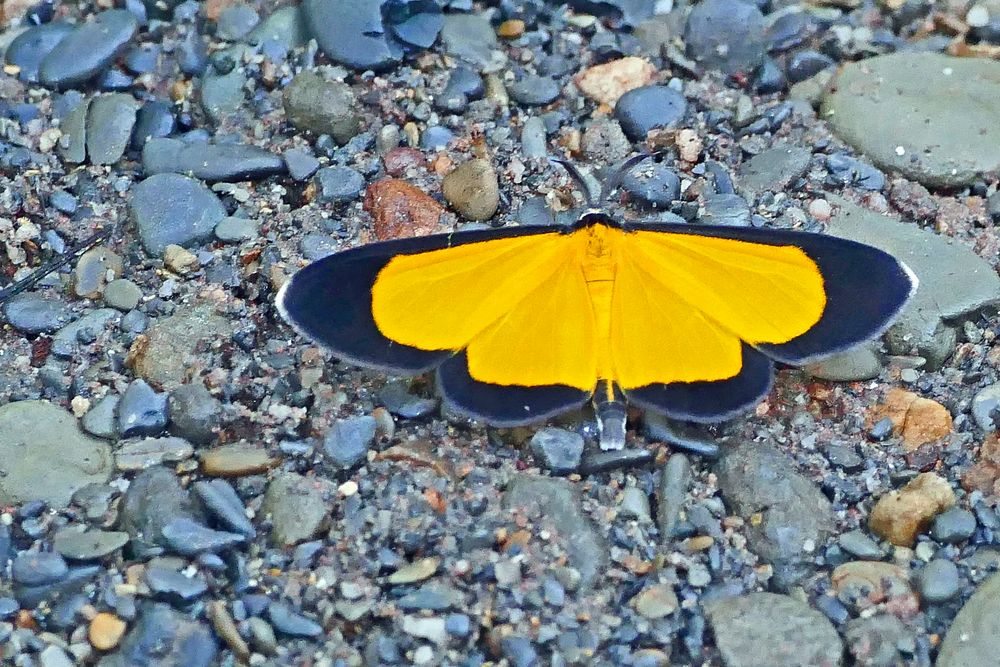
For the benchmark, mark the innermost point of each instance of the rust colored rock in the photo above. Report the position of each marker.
(983, 475)
(918, 420)
(901, 515)
(400, 159)
(401, 210)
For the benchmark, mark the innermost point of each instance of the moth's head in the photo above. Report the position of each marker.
(596, 216)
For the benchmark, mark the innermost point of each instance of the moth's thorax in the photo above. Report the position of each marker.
(601, 246)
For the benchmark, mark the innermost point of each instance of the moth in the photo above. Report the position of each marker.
(524, 323)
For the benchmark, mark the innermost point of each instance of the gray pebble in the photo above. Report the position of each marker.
(727, 35)
(236, 21)
(291, 623)
(32, 313)
(559, 450)
(173, 209)
(32, 46)
(100, 420)
(89, 49)
(301, 164)
(858, 544)
(67, 340)
(534, 90)
(347, 443)
(534, 138)
(395, 396)
(322, 107)
(939, 581)
(236, 230)
(648, 108)
(728, 210)
(37, 568)
(194, 413)
(141, 411)
(954, 525)
(338, 184)
(188, 538)
(221, 500)
(122, 294)
(986, 408)
(173, 586)
(210, 162)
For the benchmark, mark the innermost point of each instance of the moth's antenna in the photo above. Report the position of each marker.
(580, 180)
(615, 180)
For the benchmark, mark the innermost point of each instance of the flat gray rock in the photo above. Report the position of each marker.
(32, 46)
(471, 38)
(33, 434)
(858, 363)
(930, 117)
(88, 50)
(558, 501)
(210, 162)
(756, 478)
(223, 94)
(173, 209)
(109, 127)
(954, 281)
(351, 33)
(974, 636)
(67, 340)
(72, 146)
(767, 630)
(774, 169)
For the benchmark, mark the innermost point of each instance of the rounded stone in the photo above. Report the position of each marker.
(322, 107)
(89, 49)
(728, 35)
(171, 209)
(472, 190)
(648, 108)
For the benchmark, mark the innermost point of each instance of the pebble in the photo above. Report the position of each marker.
(471, 39)
(174, 587)
(783, 518)
(879, 641)
(171, 209)
(188, 537)
(347, 442)
(37, 568)
(648, 108)
(653, 185)
(194, 413)
(319, 106)
(770, 629)
(350, 32)
(859, 545)
(237, 230)
(222, 502)
(210, 162)
(33, 313)
(656, 601)
(918, 420)
(846, 171)
(28, 49)
(101, 420)
(336, 185)
(986, 408)
(148, 452)
(84, 545)
(920, 114)
(110, 119)
(604, 141)
(899, 516)
(70, 339)
(291, 623)
(534, 138)
(141, 411)
(429, 628)
(939, 581)
(93, 270)
(235, 22)
(559, 450)
(301, 164)
(774, 169)
(416, 571)
(727, 35)
(236, 460)
(122, 294)
(534, 90)
(53, 656)
(169, 637)
(401, 210)
(557, 500)
(518, 651)
(297, 508)
(860, 363)
(89, 49)
(435, 138)
(954, 525)
(106, 631)
(472, 190)
(728, 210)
(223, 94)
(608, 82)
(51, 434)
(807, 63)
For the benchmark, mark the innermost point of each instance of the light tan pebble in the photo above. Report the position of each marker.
(180, 260)
(106, 630)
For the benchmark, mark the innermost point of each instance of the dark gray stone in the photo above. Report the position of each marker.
(164, 637)
(322, 107)
(338, 184)
(173, 209)
(142, 411)
(32, 46)
(194, 413)
(88, 544)
(154, 499)
(37, 568)
(395, 396)
(67, 340)
(974, 635)
(100, 419)
(347, 443)
(774, 169)
(534, 90)
(727, 210)
(859, 545)
(652, 185)
(210, 162)
(471, 38)
(351, 33)
(225, 506)
(559, 450)
(648, 108)
(173, 586)
(939, 581)
(954, 525)
(235, 22)
(188, 537)
(728, 35)
(301, 164)
(33, 313)
(291, 623)
(986, 408)
(89, 49)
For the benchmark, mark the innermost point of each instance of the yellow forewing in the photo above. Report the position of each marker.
(660, 307)
(684, 302)
(440, 300)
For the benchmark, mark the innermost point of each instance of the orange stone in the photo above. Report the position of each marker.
(607, 82)
(916, 419)
(899, 516)
(511, 29)
(106, 630)
(401, 210)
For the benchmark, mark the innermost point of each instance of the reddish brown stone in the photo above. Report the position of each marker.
(918, 420)
(399, 160)
(401, 210)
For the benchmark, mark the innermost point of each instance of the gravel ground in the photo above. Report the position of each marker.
(184, 481)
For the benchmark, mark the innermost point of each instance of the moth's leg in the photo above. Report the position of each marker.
(609, 405)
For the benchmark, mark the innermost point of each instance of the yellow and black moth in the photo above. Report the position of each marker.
(524, 323)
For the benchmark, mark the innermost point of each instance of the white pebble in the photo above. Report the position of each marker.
(820, 209)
